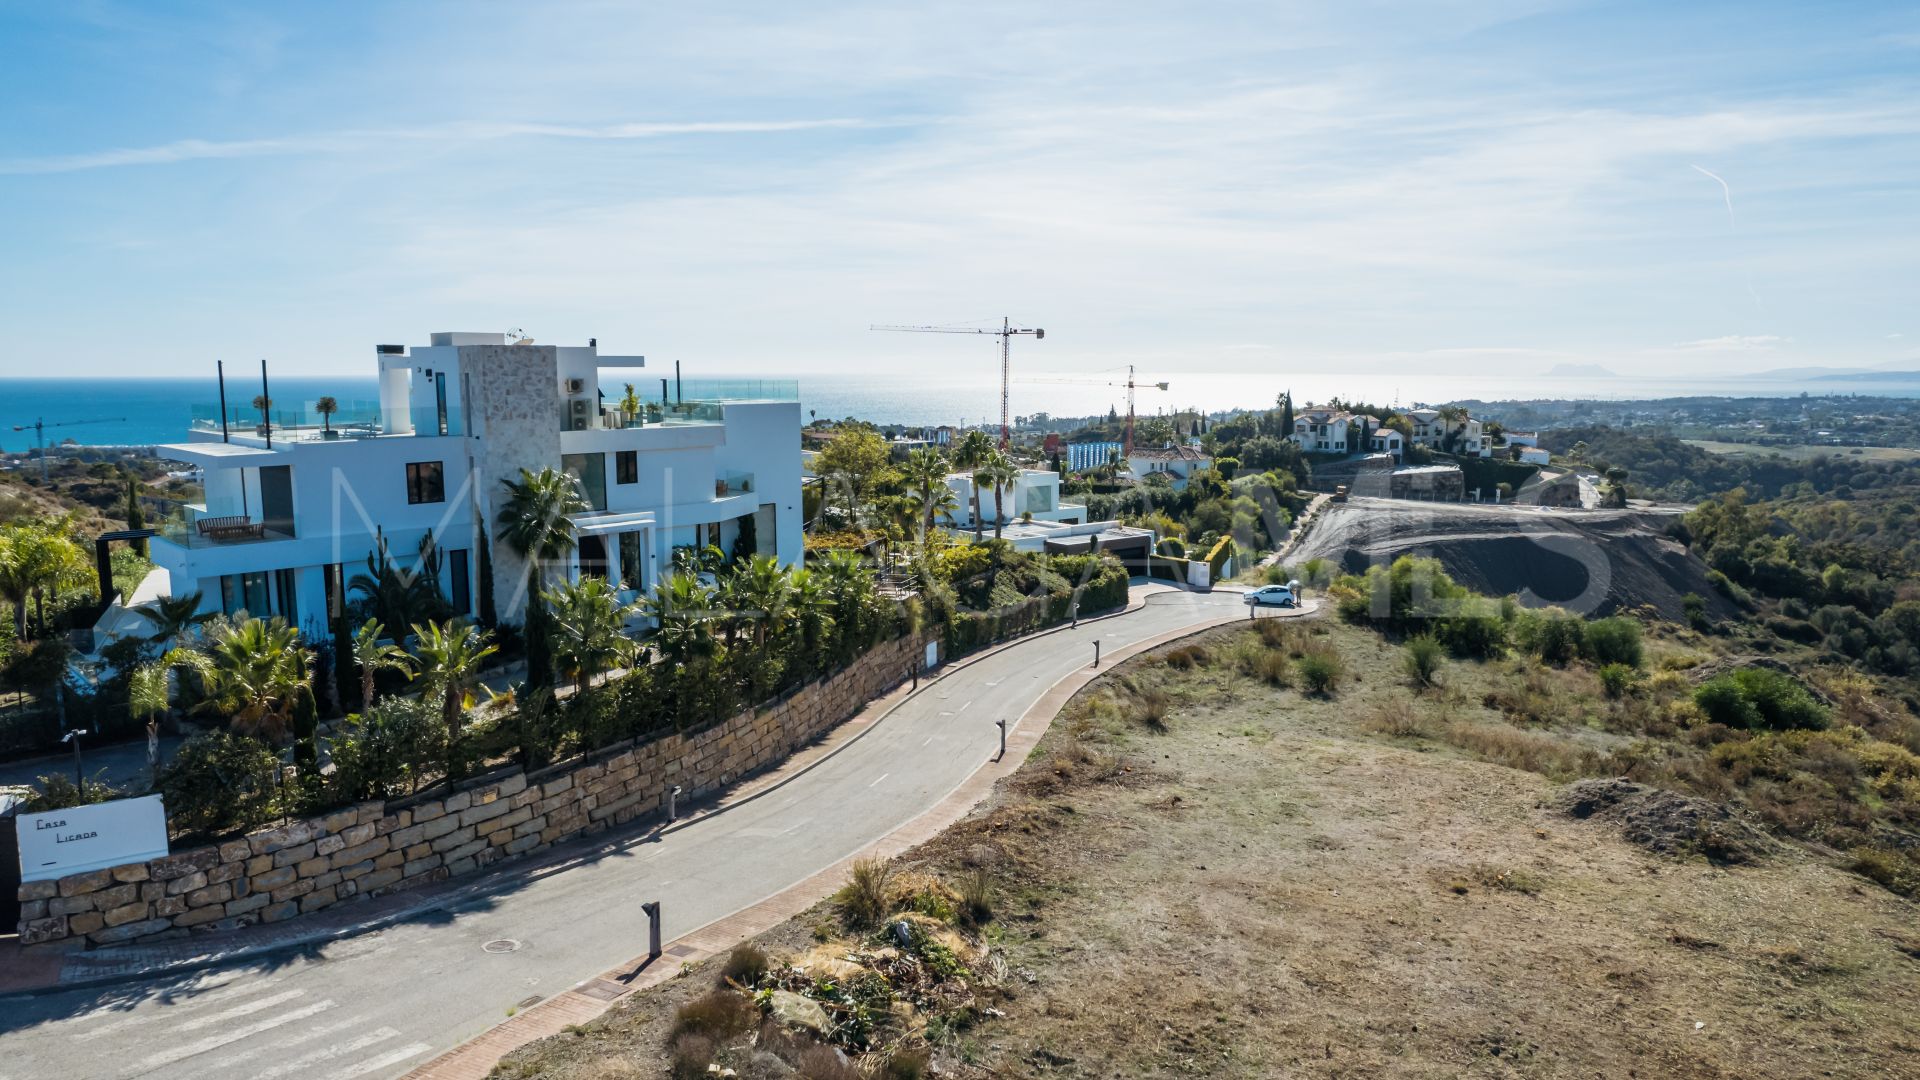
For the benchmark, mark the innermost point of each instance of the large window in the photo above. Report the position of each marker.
(426, 483)
(626, 467)
(591, 471)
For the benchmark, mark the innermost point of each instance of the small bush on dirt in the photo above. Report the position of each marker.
(863, 899)
(718, 1015)
(1895, 871)
(1397, 718)
(1617, 680)
(1188, 657)
(1423, 660)
(1275, 633)
(1526, 750)
(1320, 671)
(746, 965)
(1551, 633)
(691, 1056)
(1150, 708)
(1759, 699)
(976, 896)
(1614, 640)
(1505, 880)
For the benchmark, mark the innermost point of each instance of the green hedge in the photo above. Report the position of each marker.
(1105, 590)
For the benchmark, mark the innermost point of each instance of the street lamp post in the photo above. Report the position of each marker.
(74, 736)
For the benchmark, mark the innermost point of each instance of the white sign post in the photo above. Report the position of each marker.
(82, 838)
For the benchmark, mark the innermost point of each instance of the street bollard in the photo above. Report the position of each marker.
(652, 908)
(1002, 724)
(673, 804)
(1096, 652)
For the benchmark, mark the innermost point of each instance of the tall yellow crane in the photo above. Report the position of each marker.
(1006, 333)
(1129, 383)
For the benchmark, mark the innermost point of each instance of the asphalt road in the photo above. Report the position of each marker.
(377, 1004)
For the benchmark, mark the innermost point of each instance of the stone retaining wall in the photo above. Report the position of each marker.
(377, 848)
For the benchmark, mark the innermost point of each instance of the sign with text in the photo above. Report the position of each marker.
(81, 838)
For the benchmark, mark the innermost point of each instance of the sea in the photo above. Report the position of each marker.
(139, 412)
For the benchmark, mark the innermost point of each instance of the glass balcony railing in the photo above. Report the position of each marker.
(732, 483)
(191, 526)
(292, 421)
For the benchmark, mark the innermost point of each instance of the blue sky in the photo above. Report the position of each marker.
(1256, 186)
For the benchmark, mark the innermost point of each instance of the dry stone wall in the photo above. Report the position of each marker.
(377, 848)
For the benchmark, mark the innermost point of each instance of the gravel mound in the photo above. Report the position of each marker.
(1666, 822)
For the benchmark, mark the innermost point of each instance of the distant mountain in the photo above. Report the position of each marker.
(1580, 371)
(1808, 373)
(1870, 376)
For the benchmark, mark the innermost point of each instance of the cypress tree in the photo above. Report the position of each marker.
(346, 688)
(539, 647)
(135, 519)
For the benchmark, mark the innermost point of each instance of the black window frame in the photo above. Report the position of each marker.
(417, 482)
(626, 466)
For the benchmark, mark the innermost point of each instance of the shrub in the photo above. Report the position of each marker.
(1423, 659)
(1896, 871)
(1396, 718)
(1616, 680)
(907, 1065)
(1479, 636)
(825, 1063)
(746, 965)
(1320, 671)
(1551, 633)
(863, 900)
(387, 751)
(1150, 708)
(1188, 657)
(1274, 669)
(691, 1056)
(218, 782)
(1760, 698)
(1614, 640)
(717, 1015)
(976, 896)
(56, 792)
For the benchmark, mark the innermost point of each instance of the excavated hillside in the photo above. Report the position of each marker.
(1590, 561)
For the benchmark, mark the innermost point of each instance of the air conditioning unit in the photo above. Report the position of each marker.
(576, 386)
(582, 408)
(579, 423)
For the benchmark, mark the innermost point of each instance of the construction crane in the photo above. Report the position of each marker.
(1006, 334)
(1130, 384)
(39, 429)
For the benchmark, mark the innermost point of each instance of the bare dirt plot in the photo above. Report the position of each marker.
(1239, 880)
(1808, 453)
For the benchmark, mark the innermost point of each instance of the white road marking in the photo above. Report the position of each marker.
(386, 1060)
(964, 708)
(164, 1009)
(280, 1045)
(328, 1053)
(883, 776)
(249, 1008)
(929, 740)
(215, 1042)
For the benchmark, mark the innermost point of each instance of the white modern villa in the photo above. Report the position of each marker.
(1036, 493)
(295, 505)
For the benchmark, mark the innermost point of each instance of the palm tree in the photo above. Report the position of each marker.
(768, 596)
(974, 450)
(173, 617)
(253, 672)
(812, 607)
(450, 655)
(372, 655)
(400, 597)
(536, 519)
(1003, 474)
(849, 586)
(37, 557)
(589, 630)
(926, 475)
(683, 610)
(326, 406)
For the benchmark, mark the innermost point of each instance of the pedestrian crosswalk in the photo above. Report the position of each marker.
(234, 1026)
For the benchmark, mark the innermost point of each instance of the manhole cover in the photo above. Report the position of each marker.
(501, 945)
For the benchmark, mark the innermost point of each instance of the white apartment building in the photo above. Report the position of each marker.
(1036, 492)
(292, 511)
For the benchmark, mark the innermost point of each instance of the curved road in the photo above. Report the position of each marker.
(377, 1004)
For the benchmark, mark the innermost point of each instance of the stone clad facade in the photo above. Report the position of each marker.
(377, 848)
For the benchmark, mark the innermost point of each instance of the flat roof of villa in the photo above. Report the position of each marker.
(187, 451)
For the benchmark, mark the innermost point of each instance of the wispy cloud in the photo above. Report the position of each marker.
(345, 141)
(1725, 192)
(1732, 343)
